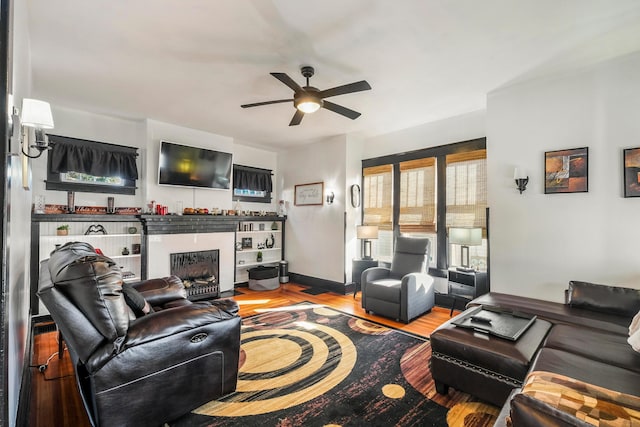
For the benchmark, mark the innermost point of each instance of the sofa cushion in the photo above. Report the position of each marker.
(588, 370)
(603, 298)
(567, 401)
(594, 344)
(556, 312)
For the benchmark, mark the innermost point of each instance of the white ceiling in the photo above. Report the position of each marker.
(194, 62)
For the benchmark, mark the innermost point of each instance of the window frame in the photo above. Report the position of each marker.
(439, 152)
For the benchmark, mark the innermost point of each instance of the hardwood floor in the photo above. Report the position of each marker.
(54, 398)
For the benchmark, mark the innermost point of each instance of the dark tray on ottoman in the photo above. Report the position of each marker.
(481, 364)
(496, 321)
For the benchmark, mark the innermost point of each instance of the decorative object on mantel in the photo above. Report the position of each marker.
(62, 230)
(566, 171)
(309, 194)
(95, 229)
(71, 206)
(631, 165)
(110, 205)
(282, 208)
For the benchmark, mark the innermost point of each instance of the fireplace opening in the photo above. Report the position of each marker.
(199, 272)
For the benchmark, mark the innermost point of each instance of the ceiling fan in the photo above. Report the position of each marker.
(309, 99)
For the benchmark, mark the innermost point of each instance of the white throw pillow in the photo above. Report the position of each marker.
(634, 340)
(635, 324)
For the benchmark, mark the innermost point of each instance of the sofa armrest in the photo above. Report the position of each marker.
(602, 298)
(158, 292)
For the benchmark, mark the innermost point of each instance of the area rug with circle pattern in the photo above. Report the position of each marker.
(309, 365)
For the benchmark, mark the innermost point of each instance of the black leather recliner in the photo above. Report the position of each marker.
(140, 370)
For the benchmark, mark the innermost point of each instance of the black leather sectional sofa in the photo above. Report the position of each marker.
(586, 348)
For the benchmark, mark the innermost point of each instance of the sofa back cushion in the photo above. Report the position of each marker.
(93, 284)
(608, 299)
(410, 256)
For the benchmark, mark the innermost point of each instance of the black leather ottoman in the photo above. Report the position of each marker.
(480, 364)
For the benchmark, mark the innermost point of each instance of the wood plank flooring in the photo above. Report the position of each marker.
(54, 398)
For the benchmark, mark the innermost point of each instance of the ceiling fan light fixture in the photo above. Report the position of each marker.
(308, 104)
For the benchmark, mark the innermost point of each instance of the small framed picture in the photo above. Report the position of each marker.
(631, 162)
(566, 171)
(247, 243)
(308, 194)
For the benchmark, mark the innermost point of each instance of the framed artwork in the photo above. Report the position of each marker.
(631, 162)
(309, 194)
(247, 243)
(566, 171)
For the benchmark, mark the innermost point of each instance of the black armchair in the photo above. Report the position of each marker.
(140, 370)
(404, 291)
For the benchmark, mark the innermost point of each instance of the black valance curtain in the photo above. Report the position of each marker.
(248, 178)
(93, 158)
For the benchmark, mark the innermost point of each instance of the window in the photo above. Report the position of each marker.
(252, 184)
(91, 166)
(423, 193)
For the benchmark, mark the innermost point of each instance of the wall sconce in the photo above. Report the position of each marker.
(521, 180)
(330, 197)
(35, 114)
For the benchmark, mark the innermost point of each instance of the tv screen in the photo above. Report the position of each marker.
(194, 167)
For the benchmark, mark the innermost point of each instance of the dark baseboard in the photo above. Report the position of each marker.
(24, 401)
(329, 285)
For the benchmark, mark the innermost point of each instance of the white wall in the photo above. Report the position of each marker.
(17, 215)
(95, 127)
(540, 242)
(315, 234)
(447, 131)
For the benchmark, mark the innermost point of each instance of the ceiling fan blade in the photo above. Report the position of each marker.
(297, 118)
(284, 78)
(341, 90)
(341, 110)
(257, 104)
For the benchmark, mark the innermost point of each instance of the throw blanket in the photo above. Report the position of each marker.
(590, 403)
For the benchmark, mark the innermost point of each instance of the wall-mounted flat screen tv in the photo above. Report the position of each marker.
(194, 167)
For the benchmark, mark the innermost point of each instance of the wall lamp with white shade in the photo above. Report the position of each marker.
(521, 179)
(35, 114)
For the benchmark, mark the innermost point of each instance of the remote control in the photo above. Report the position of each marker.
(480, 319)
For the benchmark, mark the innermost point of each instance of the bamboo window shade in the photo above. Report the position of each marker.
(466, 176)
(418, 195)
(377, 192)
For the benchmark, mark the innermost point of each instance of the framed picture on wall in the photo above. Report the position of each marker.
(566, 171)
(631, 162)
(309, 194)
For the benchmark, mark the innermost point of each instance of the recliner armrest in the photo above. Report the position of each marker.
(160, 291)
(415, 280)
(374, 273)
(160, 325)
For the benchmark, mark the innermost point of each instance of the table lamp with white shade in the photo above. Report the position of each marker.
(366, 233)
(465, 237)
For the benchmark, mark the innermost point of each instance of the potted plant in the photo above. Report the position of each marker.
(63, 230)
(259, 257)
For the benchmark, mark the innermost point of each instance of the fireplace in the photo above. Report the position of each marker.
(199, 271)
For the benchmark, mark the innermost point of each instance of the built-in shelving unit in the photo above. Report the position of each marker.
(260, 233)
(120, 234)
